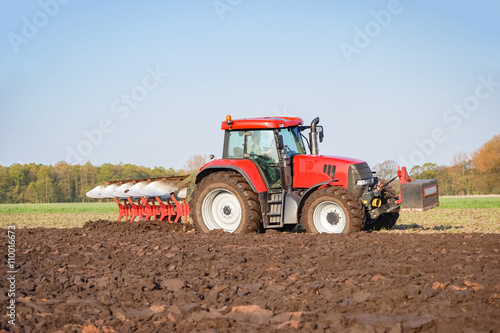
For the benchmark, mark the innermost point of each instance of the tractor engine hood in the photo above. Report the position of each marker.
(309, 170)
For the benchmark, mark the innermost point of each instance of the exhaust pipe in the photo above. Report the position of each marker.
(313, 137)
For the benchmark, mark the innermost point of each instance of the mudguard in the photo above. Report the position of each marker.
(246, 168)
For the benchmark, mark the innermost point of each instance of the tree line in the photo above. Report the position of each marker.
(37, 183)
(478, 173)
(63, 182)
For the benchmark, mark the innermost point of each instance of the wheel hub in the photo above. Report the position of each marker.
(227, 211)
(332, 218)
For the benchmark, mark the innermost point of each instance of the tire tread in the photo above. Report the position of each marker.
(354, 214)
(249, 223)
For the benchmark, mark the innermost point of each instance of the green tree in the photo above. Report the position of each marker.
(106, 173)
(31, 194)
(45, 184)
(17, 177)
(87, 180)
(416, 172)
(445, 179)
(131, 171)
(4, 184)
(158, 172)
(64, 182)
(33, 170)
(429, 171)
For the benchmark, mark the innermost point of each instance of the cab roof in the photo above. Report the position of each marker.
(260, 123)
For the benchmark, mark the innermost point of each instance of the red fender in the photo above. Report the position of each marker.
(246, 168)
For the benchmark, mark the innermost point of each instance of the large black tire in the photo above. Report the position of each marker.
(224, 200)
(388, 220)
(332, 209)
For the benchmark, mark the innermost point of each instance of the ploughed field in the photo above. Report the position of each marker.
(158, 277)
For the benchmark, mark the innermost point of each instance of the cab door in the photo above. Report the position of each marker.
(260, 147)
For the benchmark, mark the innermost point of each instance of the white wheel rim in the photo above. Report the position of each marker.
(329, 217)
(221, 210)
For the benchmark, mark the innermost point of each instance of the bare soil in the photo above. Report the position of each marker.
(158, 277)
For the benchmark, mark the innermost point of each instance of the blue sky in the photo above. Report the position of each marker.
(148, 82)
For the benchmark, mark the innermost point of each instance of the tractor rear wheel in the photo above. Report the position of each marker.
(332, 210)
(224, 200)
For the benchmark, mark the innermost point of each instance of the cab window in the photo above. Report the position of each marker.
(235, 145)
(293, 141)
(262, 143)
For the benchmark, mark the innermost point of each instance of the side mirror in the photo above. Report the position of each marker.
(321, 134)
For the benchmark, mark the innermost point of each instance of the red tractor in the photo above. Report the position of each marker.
(265, 179)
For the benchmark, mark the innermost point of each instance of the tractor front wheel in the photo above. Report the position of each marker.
(385, 221)
(224, 200)
(332, 210)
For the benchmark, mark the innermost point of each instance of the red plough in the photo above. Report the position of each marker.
(146, 199)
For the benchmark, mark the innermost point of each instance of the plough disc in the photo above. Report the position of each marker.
(161, 199)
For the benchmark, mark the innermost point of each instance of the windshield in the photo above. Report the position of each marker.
(293, 141)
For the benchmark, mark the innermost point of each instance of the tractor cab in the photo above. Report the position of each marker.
(271, 144)
(266, 148)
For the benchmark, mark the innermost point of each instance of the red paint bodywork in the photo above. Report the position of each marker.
(403, 178)
(308, 170)
(247, 167)
(262, 123)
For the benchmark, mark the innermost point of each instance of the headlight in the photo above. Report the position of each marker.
(361, 182)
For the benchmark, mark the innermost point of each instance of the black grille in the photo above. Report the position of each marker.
(357, 172)
(329, 170)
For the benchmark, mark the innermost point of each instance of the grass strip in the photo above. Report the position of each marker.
(75, 207)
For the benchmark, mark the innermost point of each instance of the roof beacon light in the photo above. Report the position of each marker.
(229, 121)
